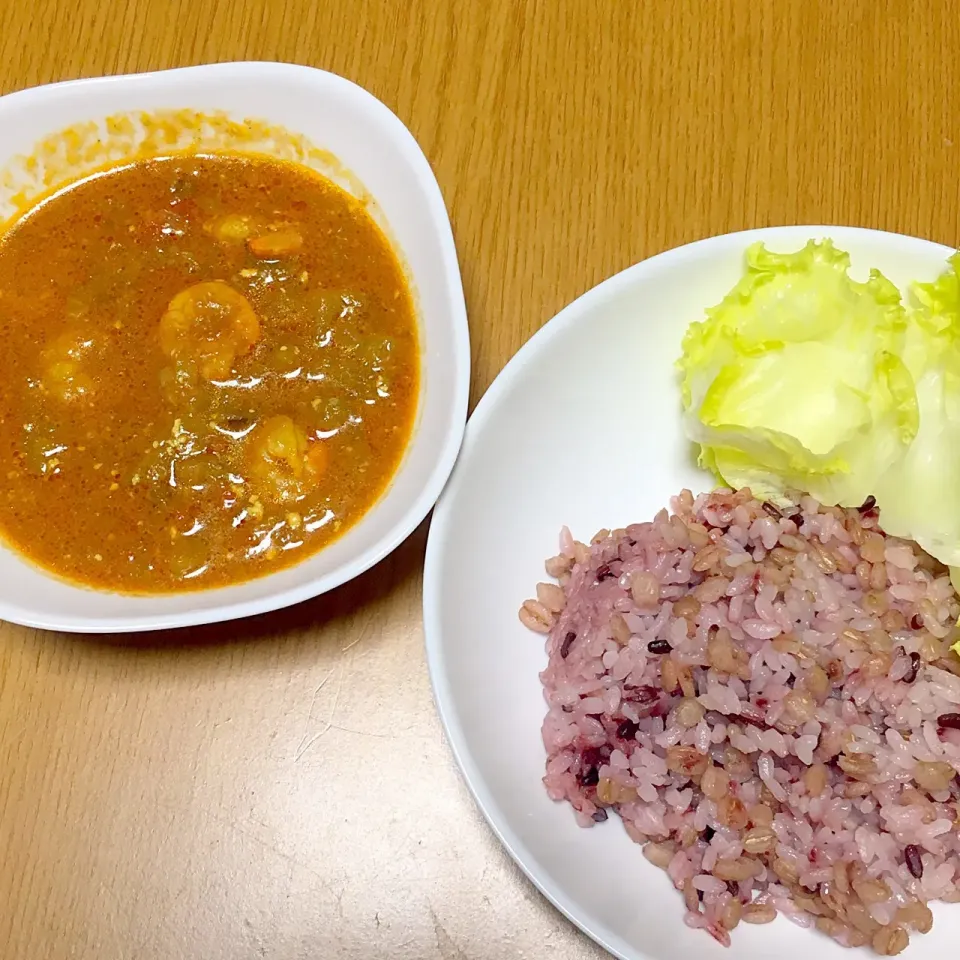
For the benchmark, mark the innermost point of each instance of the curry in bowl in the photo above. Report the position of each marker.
(209, 370)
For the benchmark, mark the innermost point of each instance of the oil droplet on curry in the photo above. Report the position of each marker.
(209, 370)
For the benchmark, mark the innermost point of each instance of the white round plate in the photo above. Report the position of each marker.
(583, 428)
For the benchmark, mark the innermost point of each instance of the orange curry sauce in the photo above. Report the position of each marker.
(209, 370)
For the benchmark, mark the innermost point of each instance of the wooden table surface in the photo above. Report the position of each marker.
(280, 788)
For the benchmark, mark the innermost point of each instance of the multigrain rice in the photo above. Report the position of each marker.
(767, 699)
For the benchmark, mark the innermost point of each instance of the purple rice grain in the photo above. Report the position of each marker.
(949, 721)
(627, 730)
(642, 695)
(911, 855)
(595, 756)
(567, 644)
(590, 778)
(659, 646)
(911, 674)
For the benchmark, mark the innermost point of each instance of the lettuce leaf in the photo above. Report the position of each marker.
(919, 496)
(795, 382)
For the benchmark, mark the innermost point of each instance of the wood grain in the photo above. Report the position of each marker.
(280, 788)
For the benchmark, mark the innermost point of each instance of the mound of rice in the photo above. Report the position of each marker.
(768, 701)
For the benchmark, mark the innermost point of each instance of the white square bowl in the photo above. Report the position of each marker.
(370, 142)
